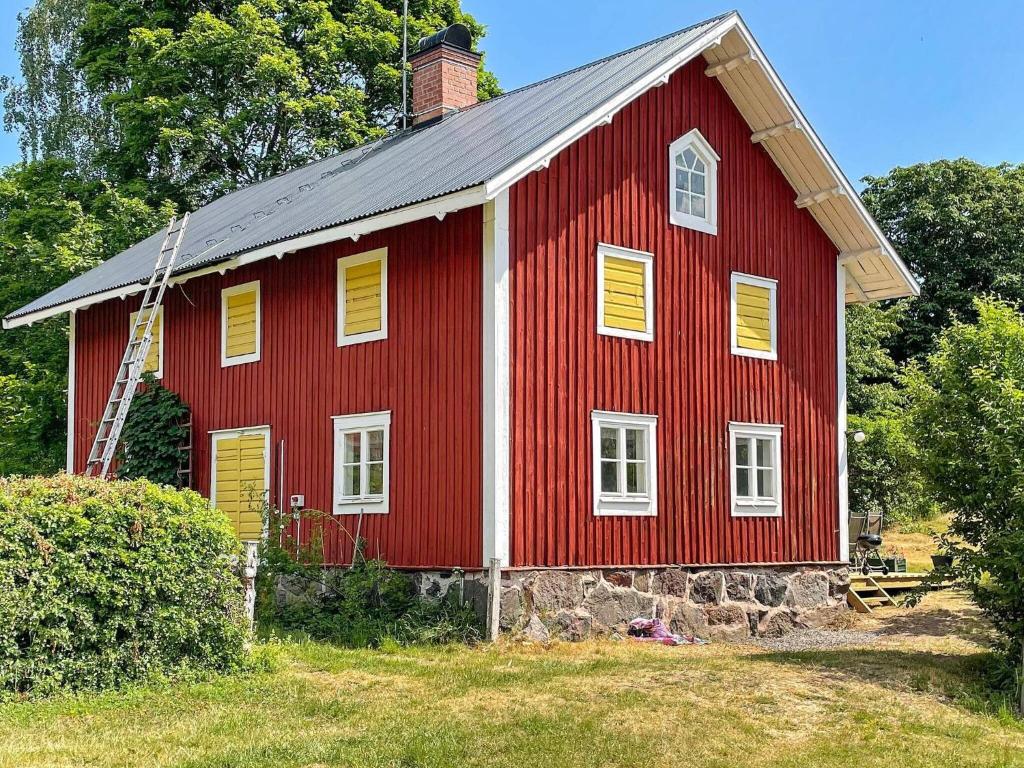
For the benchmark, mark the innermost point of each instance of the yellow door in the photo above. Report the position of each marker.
(240, 481)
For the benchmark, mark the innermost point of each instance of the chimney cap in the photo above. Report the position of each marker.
(456, 35)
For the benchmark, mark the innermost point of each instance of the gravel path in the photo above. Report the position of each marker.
(816, 640)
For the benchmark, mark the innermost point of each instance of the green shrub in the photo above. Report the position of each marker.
(968, 423)
(106, 583)
(362, 606)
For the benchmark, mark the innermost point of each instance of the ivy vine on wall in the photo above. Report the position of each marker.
(153, 434)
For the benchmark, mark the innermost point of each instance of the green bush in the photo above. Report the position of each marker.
(107, 583)
(360, 606)
(968, 422)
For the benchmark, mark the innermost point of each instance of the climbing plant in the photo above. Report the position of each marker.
(153, 435)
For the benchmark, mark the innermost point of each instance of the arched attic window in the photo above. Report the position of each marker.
(693, 183)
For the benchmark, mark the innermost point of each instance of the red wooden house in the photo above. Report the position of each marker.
(590, 331)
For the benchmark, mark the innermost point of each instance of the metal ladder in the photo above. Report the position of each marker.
(126, 381)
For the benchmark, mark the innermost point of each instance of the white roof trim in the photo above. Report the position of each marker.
(542, 156)
(603, 115)
(437, 207)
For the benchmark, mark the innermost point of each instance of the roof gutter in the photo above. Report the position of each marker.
(437, 207)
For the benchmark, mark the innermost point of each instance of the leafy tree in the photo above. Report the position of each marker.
(53, 225)
(968, 421)
(50, 107)
(960, 227)
(884, 476)
(207, 96)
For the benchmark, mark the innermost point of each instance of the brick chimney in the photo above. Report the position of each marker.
(443, 74)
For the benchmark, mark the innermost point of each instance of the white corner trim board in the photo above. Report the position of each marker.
(496, 384)
(842, 442)
(70, 460)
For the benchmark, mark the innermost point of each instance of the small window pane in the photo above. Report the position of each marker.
(742, 452)
(375, 445)
(682, 179)
(352, 446)
(764, 452)
(697, 184)
(689, 157)
(742, 481)
(375, 479)
(609, 443)
(635, 442)
(350, 481)
(680, 162)
(698, 206)
(698, 165)
(609, 477)
(683, 202)
(636, 477)
(766, 483)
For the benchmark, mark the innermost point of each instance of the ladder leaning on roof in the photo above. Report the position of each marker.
(126, 381)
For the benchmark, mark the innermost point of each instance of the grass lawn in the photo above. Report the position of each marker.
(910, 698)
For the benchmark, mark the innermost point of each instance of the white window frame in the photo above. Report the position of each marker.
(378, 254)
(363, 423)
(741, 278)
(623, 504)
(645, 258)
(709, 222)
(754, 506)
(217, 435)
(226, 361)
(159, 372)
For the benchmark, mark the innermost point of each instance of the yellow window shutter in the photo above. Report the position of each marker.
(625, 294)
(152, 364)
(241, 482)
(241, 318)
(226, 489)
(753, 317)
(363, 297)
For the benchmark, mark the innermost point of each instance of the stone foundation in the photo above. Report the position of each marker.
(470, 586)
(712, 603)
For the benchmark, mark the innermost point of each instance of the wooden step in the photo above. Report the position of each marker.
(857, 603)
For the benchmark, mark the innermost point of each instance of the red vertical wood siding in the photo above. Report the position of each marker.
(611, 186)
(427, 373)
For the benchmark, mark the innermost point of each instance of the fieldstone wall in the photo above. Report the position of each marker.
(471, 587)
(716, 604)
(712, 603)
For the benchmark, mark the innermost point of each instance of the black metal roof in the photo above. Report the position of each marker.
(461, 151)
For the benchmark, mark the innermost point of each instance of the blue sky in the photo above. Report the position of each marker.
(884, 83)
